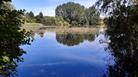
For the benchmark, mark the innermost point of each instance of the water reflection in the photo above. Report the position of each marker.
(41, 34)
(71, 39)
(8, 63)
(11, 53)
(58, 55)
(124, 49)
(42, 58)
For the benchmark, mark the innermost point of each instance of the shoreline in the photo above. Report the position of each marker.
(39, 28)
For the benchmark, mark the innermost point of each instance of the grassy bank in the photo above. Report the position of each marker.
(37, 28)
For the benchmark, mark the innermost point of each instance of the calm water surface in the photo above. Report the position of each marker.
(65, 55)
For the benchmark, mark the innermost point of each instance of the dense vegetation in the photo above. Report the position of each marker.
(76, 14)
(68, 14)
(11, 37)
(122, 27)
(58, 21)
(45, 20)
(29, 17)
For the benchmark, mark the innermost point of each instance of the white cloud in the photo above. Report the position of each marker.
(49, 11)
(48, 7)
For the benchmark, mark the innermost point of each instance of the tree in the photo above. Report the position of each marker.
(11, 37)
(92, 16)
(122, 14)
(77, 14)
(7, 5)
(122, 29)
(30, 14)
(71, 12)
(40, 18)
(29, 17)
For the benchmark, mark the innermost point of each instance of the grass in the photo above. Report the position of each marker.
(39, 28)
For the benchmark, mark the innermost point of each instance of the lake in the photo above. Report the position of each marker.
(54, 54)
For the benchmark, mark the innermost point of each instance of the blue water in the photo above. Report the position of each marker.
(46, 57)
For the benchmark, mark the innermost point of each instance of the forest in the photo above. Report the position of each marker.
(68, 14)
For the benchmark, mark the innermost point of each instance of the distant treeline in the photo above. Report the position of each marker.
(68, 14)
(46, 20)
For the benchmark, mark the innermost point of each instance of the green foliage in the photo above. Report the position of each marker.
(77, 15)
(92, 16)
(55, 21)
(71, 12)
(122, 29)
(29, 17)
(11, 37)
(45, 20)
(61, 22)
(122, 17)
(49, 20)
(66, 15)
(40, 18)
(7, 6)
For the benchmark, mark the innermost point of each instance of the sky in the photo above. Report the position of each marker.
(46, 6)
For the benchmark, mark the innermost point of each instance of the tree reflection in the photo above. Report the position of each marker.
(41, 34)
(8, 62)
(71, 39)
(125, 50)
(10, 52)
(122, 29)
